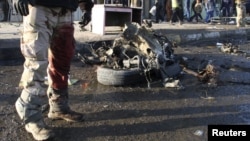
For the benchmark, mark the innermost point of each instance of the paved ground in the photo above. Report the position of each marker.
(139, 113)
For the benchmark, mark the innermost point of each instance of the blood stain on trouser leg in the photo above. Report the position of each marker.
(60, 55)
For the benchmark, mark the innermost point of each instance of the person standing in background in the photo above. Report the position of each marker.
(187, 10)
(177, 10)
(197, 9)
(209, 7)
(159, 11)
(248, 7)
(168, 9)
(233, 12)
(241, 13)
(225, 7)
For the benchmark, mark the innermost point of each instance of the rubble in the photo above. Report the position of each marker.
(142, 48)
(230, 48)
(208, 75)
(227, 47)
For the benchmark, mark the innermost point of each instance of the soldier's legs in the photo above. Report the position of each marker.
(60, 55)
(46, 29)
(34, 47)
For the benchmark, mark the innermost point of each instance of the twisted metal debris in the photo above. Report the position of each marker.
(141, 47)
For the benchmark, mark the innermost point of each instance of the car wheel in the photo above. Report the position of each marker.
(108, 76)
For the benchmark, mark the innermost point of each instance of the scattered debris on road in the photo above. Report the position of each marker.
(142, 48)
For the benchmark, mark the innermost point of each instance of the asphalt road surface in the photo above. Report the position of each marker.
(139, 113)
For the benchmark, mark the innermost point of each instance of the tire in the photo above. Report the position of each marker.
(108, 76)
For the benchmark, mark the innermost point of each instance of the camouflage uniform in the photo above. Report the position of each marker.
(47, 44)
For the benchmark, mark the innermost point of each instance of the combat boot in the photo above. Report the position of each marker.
(69, 115)
(39, 130)
(59, 108)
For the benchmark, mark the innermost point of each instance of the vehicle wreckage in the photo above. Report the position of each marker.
(139, 54)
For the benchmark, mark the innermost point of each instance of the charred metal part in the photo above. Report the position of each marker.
(194, 63)
(90, 60)
(208, 75)
(157, 48)
(133, 62)
(228, 47)
(191, 72)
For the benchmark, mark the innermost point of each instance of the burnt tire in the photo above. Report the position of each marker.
(108, 76)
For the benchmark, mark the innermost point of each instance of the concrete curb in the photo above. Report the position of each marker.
(209, 35)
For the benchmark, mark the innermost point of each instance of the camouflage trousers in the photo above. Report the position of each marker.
(241, 15)
(47, 44)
